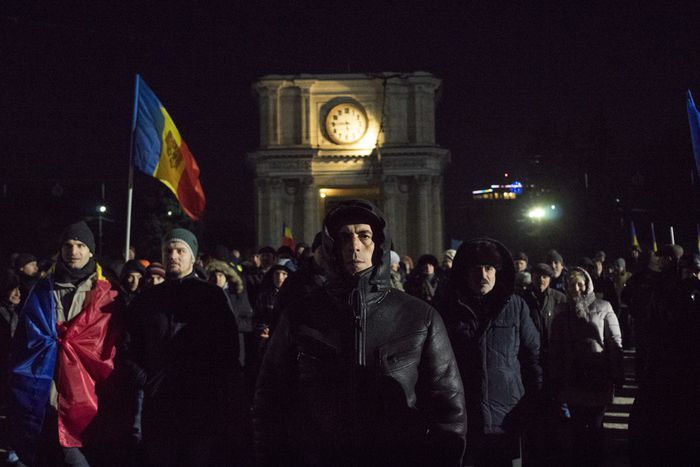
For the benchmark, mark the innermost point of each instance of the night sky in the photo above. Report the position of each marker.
(510, 71)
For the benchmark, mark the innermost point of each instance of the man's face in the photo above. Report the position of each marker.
(541, 281)
(14, 296)
(30, 269)
(75, 254)
(357, 247)
(558, 267)
(220, 278)
(577, 286)
(481, 279)
(428, 269)
(278, 278)
(133, 280)
(395, 266)
(598, 266)
(266, 259)
(177, 259)
(520, 265)
(155, 279)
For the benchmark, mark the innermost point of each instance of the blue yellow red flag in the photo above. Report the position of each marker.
(694, 123)
(287, 236)
(655, 247)
(160, 151)
(635, 240)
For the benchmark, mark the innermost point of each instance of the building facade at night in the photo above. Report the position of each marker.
(326, 138)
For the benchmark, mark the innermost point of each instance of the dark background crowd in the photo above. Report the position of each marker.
(538, 343)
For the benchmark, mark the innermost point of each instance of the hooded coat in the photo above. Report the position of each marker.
(358, 373)
(585, 349)
(496, 344)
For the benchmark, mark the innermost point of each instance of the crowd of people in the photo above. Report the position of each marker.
(343, 353)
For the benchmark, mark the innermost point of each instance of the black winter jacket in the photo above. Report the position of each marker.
(359, 374)
(497, 347)
(181, 350)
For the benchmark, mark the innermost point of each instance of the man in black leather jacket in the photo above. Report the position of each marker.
(358, 373)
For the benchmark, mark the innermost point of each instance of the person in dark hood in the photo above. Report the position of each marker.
(358, 373)
(497, 347)
(181, 356)
(424, 280)
(561, 273)
(9, 316)
(131, 280)
(27, 268)
(665, 417)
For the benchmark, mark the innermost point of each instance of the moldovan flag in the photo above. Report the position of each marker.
(160, 151)
(694, 123)
(635, 240)
(287, 236)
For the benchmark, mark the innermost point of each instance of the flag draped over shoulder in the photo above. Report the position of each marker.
(160, 151)
(694, 123)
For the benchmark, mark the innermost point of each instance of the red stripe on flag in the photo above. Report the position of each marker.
(189, 191)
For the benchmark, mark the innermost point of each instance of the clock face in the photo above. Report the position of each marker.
(346, 123)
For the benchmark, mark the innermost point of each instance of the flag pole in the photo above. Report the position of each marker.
(130, 192)
(673, 237)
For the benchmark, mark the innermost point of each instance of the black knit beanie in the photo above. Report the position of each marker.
(81, 232)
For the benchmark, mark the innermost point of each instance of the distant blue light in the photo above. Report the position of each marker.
(516, 187)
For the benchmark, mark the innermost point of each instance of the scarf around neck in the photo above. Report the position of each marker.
(64, 273)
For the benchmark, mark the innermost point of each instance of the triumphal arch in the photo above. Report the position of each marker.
(325, 138)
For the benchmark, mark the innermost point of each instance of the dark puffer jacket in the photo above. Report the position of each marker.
(496, 344)
(358, 373)
(181, 351)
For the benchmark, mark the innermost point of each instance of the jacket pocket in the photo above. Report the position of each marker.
(402, 353)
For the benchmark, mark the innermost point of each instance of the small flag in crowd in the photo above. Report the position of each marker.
(694, 123)
(653, 239)
(160, 151)
(287, 236)
(635, 240)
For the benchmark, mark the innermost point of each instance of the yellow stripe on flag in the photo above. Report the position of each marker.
(171, 164)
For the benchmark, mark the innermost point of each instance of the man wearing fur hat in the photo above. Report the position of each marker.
(63, 350)
(181, 353)
(357, 372)
(497, 348)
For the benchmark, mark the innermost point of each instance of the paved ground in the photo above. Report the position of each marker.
(617, 418)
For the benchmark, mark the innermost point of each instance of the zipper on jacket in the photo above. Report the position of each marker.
(360, 311)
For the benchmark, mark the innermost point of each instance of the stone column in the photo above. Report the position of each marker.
(310, 199)
(423, 217)
(261, 208)
(389, 192)
(438, 221)
(273, 233)
(305, 115)
(401, 242)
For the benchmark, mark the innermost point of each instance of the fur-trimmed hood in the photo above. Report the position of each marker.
(233, 277)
